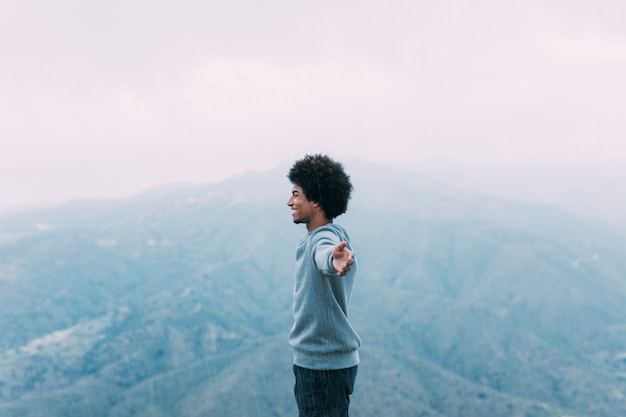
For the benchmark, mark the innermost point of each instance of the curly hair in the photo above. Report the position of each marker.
(323, 181)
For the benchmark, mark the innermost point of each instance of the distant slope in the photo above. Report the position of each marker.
(177, 302)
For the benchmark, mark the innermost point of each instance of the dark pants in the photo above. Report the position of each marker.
(323, 393)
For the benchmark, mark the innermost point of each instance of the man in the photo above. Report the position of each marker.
(323, 340)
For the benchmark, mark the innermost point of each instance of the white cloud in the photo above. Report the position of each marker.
(42, 227)
(106, 242)
(134, 106)
(97, 104)
(584, 48)
(236, 89)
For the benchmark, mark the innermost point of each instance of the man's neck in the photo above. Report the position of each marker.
(317, 222)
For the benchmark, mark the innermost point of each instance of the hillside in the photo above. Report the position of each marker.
(177, 302)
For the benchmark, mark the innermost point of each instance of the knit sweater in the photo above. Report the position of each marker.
(322, 336)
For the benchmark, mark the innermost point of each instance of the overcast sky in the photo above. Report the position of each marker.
(107, 98)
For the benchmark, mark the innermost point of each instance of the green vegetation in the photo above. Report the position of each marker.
(178, 303)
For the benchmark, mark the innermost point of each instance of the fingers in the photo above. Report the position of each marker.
(343, 271)
(347, 265)
(343, 257)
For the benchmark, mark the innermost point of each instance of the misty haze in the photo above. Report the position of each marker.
(175, 301)
(106, 99)
(146, 247)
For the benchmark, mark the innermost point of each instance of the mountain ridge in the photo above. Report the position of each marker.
(170, 304)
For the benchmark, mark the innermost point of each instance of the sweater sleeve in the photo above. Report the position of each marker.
(322, 252)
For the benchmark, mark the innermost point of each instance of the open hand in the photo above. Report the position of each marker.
(342, 259)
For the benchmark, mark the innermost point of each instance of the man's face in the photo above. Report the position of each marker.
(301, 207)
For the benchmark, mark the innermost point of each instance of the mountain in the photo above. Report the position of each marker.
(177, 302)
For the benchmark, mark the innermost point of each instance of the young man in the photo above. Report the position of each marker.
(323, 340)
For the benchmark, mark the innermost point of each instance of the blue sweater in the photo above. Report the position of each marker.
(322, 337)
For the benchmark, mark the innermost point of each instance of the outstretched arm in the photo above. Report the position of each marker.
(342, 259)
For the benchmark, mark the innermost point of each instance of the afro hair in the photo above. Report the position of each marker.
(324, 181)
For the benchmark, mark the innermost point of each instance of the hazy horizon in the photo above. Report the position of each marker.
(484, 185)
